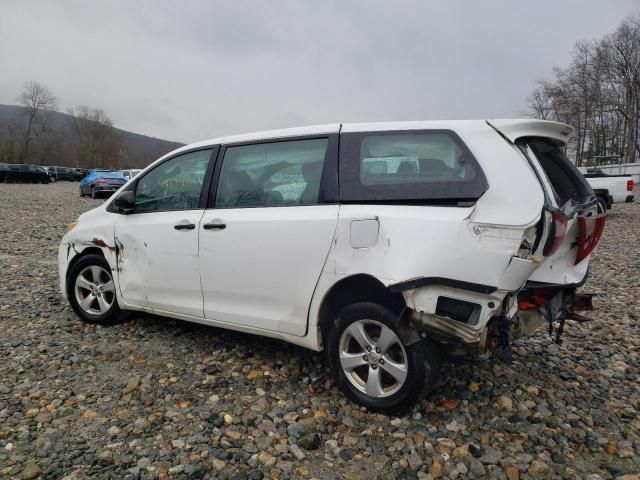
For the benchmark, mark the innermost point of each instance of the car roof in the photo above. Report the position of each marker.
(271, 134)
(511, 128)
(507, 124)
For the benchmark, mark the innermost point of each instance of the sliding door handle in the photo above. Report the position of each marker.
(214, 226)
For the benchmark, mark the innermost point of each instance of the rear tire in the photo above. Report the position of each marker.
(373, 366)
(91, 291)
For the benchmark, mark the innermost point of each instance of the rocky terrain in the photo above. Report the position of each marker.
(157, 398)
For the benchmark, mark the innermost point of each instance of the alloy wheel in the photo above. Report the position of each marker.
(373, 358)
(94, 290)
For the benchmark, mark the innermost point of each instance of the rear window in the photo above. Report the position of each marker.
(413, 166)
(567, 181)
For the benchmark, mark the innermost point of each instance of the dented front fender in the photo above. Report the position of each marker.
(90, 232)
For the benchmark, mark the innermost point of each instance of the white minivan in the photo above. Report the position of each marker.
(385, 244)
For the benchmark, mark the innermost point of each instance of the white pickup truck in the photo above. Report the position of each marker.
(609, 189)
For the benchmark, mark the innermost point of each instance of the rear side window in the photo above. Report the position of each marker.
(567, 181)
(285, 173)
(414, 166)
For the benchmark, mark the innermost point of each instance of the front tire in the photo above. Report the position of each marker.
(92, 292)
(373, 365)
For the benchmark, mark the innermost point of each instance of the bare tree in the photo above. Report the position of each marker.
(599, 94)
(39, 102)
(540, 103)
(98, 140)
(621, 52)
(11, 132)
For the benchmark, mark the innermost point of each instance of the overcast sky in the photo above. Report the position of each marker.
(190, 70)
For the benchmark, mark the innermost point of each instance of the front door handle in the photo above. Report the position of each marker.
(212, 226)
(184, 226)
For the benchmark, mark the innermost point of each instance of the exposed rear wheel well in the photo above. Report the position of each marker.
(355, 289)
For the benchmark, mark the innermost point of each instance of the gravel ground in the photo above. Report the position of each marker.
(156, 398)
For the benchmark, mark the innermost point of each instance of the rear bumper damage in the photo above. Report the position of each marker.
(449, 313)
(481, 321)
(551, 305)
(525, 296)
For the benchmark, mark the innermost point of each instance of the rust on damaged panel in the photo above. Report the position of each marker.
(98, 242)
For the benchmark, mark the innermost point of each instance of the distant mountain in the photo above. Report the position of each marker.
(140, 150)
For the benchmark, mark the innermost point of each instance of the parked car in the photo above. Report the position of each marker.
(80, 173)
(62, 173)
(130, 173)
(384, 244)
(101, 183)
(22, 173)
(49, 171)
(609, 189)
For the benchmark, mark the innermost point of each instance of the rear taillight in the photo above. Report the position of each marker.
(556, 234)
(591, 229)
(102, 180)
(629, 185)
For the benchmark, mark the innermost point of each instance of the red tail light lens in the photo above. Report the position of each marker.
(630, 185)
(557, 233)
(591, 229)
(102, 180)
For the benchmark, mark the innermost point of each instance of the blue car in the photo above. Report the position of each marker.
(101, 183)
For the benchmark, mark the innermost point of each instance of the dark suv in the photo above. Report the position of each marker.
(21, 173)
(63, 173)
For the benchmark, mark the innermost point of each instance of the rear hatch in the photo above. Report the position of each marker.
(571, 224)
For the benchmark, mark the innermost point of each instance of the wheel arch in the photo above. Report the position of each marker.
(601, 192)
(113, 313)
(604, 194)
(356, 288)
(84, 253)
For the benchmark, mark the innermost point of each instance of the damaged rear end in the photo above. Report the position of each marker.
(574, 224)
(549, 263)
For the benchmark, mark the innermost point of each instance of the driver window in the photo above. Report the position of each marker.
(174, 185)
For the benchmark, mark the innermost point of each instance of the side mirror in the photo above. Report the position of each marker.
(126, 202)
